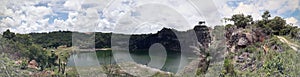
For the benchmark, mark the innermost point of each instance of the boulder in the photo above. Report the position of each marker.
(245, 55)
(19, 62)
(33, 64)
(277, 48)
(242, 42)
(240, 59)
(250, 37)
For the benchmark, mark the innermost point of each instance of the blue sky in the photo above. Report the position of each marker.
(104, 16)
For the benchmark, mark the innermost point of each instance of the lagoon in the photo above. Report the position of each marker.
(105, 57)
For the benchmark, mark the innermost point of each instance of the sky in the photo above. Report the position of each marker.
(133, 16)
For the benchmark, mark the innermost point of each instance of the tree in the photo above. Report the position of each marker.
(201, 22)
(266, 16)
(295, 33)
(52, 58)
(276, 24)
(265, 19)
(229, 26)
(287, 29)
(9, 35)
(240, 20)
(23, 38)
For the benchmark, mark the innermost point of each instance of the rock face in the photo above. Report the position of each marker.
(242, 38)
(237, 41)
(242, 42)
(203, 34)
(250, 37)
(277, 48)
(172, 39)
(33, 64)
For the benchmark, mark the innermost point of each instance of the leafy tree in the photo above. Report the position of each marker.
(295, 33)
(240, 20)
(229, 26)
(228, 68)
(265, 19)
(266, 16)
(9, 35)
(23, 38)
(276, 25)
(52, 39)
(287, 30)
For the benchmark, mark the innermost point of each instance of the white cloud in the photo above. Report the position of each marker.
(291, 5)
(84, 15)
(105, 26)
(25, 16)
(248, 10)
(73, 4)
(292, 20)
(8, 22)
(204, 11)
(256, 7)
(242, 8)
(38, 11)
(271, 4)
(86, 21)
(59, 25)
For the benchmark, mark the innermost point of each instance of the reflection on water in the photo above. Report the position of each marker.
(141, 57)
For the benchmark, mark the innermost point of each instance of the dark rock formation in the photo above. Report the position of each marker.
(241, 38)
(203, 35)
(172, 39)
(240, 42)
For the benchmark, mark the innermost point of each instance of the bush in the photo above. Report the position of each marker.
(228, 67)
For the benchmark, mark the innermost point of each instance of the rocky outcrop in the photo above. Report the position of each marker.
(172, 39)
(242, 42)
(203, 35)
(238, 42)
(242, 37)
(33, 64)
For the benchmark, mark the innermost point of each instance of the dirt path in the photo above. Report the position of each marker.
(292, 45)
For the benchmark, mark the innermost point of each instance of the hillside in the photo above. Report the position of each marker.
(261, 48)
(167, 37)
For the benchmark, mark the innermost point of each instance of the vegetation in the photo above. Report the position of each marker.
(52, 39)
(240, 20)
(9, 68)
(270, 57)
(59, 38)
(23, 51)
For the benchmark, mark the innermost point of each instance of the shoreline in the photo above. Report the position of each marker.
(103, 49)
(96, 49)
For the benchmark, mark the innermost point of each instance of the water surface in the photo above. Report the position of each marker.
(141, 57)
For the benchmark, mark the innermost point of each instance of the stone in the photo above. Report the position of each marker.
(245, 55)
(33, 64)
(19, 62)
(249, 37)
(242, 42)
(277, 48)
(240, 59)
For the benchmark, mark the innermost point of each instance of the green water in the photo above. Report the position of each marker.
(141, 57)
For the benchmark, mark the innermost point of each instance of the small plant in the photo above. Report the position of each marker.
(228, 67)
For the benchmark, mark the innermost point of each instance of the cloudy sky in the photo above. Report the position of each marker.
(132, 16)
